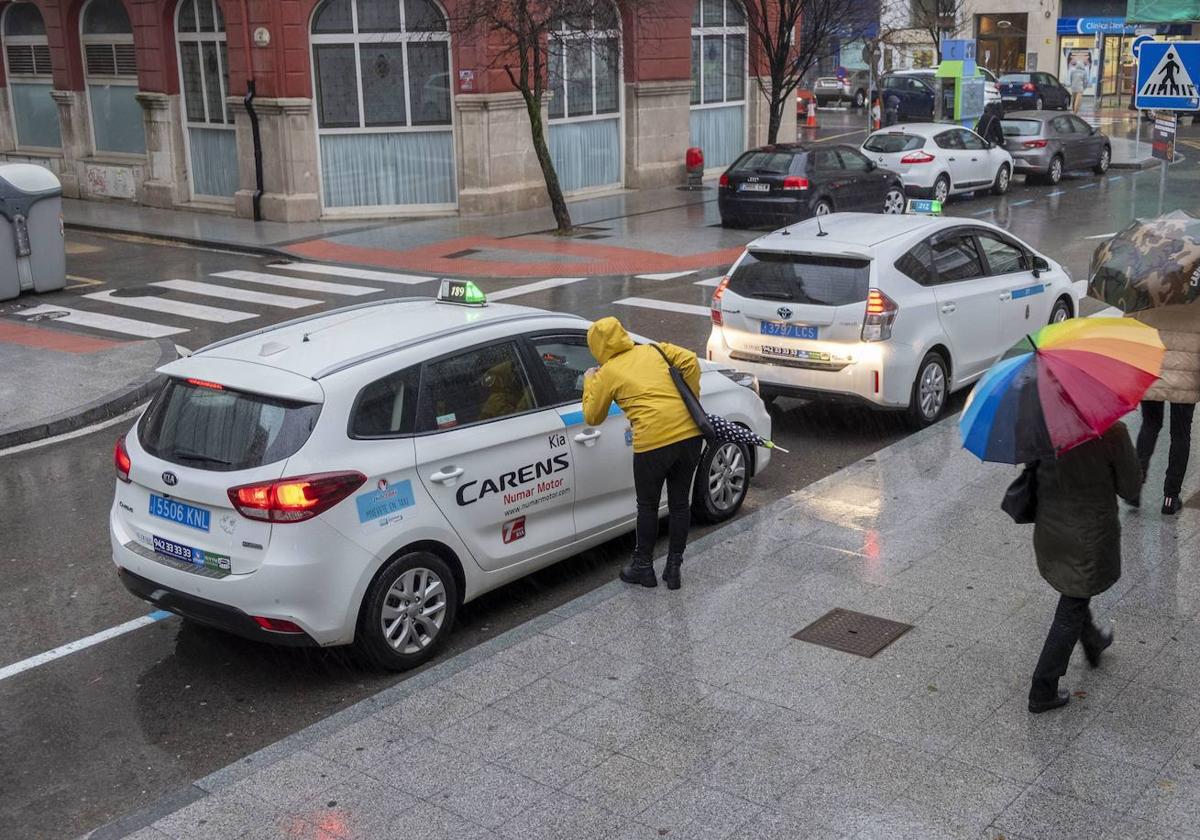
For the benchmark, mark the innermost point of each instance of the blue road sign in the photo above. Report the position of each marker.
(1167, 72)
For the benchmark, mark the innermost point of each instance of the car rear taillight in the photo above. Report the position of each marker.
(792, 182)
(881, 314)
(121, 460)
(917, 157)
(723, 181)
(715, 310)
(1034, 144)
(294, 499)
(277, 625)
(1028, 87)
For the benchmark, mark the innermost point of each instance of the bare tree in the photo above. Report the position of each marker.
(793, 36)
(530, 40)
(938, 19)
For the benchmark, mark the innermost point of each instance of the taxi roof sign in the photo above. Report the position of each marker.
(924, 206)
(461, 292)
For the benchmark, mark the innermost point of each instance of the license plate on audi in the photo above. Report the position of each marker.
(754, 188)
(782, 330)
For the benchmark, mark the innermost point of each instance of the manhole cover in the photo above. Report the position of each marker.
(853, 632)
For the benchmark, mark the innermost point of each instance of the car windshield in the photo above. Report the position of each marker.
(1016, 77)
(763, 163)
(1021, 128)
(801, 278)
(214, 428)
(891, 143)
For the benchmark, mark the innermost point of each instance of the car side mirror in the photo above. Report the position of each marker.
(871, 166)
(1040, 265)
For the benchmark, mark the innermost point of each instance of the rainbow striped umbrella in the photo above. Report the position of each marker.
(1063, 385)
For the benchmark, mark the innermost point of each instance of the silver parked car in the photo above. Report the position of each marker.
(1045, 144)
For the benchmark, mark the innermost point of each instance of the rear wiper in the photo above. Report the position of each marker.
(196, 456)
(771, 296)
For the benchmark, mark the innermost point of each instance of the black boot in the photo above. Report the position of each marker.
(640, 571)
(671, 571)
(1171, 505)
(1061, 699)
(1095, 642)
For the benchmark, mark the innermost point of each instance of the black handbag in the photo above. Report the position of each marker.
(699, 415)
(1020, 499)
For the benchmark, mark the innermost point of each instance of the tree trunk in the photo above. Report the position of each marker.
(558, 204)
(775, 117)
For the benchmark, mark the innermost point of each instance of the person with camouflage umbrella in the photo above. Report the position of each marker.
(1152, 271)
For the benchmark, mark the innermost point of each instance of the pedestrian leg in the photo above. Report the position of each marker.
(1177, 457)
(1065, 629)
(1152, 422)
(649, 473)
(680, 480)
(1094, 640)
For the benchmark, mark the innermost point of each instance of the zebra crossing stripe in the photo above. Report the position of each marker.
(710, 282)
(667, 305)
(356, 273)
(297, 283)
(670, 275)
(108, 323)
(231, 293)
(197, 311)
(530, 288)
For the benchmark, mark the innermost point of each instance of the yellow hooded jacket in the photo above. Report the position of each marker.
(637, 378)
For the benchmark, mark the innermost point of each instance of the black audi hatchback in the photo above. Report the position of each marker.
(787, 182)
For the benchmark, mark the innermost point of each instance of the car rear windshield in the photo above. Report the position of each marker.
(1021, 128)
(801, 278)
(1015, 77)
(764, 163)
(888, 144)
(210, 427)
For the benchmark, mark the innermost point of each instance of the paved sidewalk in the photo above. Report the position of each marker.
(634, 713)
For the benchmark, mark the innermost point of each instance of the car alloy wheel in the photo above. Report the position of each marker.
(413, 611)
(893, 202)
(1002, 180)
(941, 188)
(932, 390)
(1038, 105)
(1105, 161)
(1056, 170)
(860, 99)
(1060, 313)
(727, 476)
(823, 208)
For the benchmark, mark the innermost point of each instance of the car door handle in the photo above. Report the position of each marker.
(952, 159)
(447, 475)
(588, 437)
(949, 307)
(1006, 296)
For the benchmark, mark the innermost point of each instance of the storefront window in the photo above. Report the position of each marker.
(27, 59)
(718, 80)
(1000, 43)
(110, 63)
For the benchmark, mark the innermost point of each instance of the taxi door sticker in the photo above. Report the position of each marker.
(383, 505)
(1029, 291)
(575, 418)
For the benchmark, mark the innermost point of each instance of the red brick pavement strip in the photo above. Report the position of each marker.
(51, 339)
(432, 259)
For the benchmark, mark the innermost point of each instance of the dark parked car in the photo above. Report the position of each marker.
(1033, 92)
(787, 182)
(1045, 144)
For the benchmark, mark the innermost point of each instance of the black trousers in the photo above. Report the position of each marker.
(1181, 440)
(1072, 624)
(675, 465)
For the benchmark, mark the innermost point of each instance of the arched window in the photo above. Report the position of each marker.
(204, 80)
(110, 65)
(27, 59)
(381, 75)
(718, 118)
(584, 81)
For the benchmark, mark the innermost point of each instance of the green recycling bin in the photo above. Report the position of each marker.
(33, 251)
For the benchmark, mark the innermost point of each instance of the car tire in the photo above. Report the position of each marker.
(1003, 180)
(1105, 161)
(1061, 311)
(722, 481)
(1038, 104)
(823, 207)
(893, 202)
(408, 584)
(926, 404)
(941, 188)
(860, 98)
(1055, 171)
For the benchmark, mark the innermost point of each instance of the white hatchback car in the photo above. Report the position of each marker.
(893, 311)
(937, 160)
(357, 475)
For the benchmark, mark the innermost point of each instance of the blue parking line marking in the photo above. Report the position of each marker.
(1021, 203)
(1116, 178)
(159, 615)
(1087, 186)
(1056, 192)
(984, 212)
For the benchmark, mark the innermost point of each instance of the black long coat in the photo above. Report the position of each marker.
(1077, 535)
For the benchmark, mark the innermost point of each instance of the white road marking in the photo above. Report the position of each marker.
(1056, 192)
(710, 282)
(1020, 203)
(356, 273)
(669, 306)
(81, 644)
(670, 275)
(108, 323)
(1101, 236)
(297, 283)
(132, 414)
(1086, 187)
(175, 307)
(529, 288)
(231, 293)
(983, 212)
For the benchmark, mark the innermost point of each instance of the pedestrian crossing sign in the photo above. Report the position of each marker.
(1167, 72)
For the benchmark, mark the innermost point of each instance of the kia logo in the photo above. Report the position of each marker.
(783, 312)
(170, 479)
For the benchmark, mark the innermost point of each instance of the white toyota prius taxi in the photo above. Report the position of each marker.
(355, 476)
(893, 311)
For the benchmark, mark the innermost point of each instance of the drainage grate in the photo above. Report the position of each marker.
(853, 632)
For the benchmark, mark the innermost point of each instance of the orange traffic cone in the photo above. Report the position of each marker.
(875, 124)
(812, 114)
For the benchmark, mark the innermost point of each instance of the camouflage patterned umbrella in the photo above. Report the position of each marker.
(1153, 262)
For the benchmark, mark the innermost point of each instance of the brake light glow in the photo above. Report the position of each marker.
(1034, 144)
(723, 181)
(277, 625)
(792, 182)
(121, 460)
(294, 499)
(715, 309)
(204, 383)
(1028, 87)
(881, 314)
(917, 157)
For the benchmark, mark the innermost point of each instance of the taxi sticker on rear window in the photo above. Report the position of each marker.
(383, 505)
(446, 421)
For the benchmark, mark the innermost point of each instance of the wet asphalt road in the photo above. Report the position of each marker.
(99, 733)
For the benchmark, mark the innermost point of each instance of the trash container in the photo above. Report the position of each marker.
(33, 255)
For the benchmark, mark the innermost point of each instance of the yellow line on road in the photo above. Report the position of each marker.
(80, 282)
